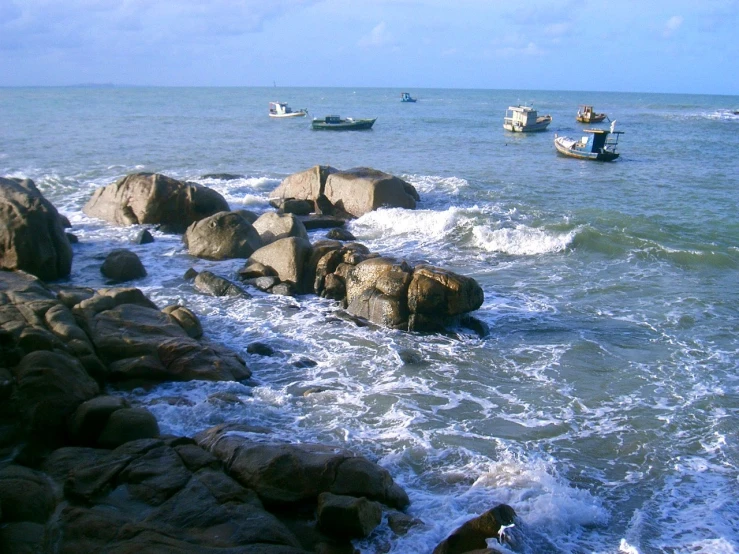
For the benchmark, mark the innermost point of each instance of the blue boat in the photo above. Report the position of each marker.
(599, 145)
(406, 97)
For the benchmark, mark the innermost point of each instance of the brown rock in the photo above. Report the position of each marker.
(272, 226)
(32, 234)
(287, 257)
(122, 265)
(186, 319)
(361, 190)
(128, 424)
(91, 417)
(222, 236)
(154, 198)
(347, 516)
(473, 534)
(25, 495)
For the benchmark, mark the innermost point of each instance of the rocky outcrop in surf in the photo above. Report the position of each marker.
(351, 193)
(32, 236)
(154, 198)
(383, 290)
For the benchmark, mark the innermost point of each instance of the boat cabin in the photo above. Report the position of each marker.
(333, 119)
(520, 116)
(279, 108)
(599, 140)
(406, 97)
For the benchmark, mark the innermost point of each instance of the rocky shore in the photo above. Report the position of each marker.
(81, 470)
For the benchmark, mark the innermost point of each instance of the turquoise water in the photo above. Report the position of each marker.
(603, 406)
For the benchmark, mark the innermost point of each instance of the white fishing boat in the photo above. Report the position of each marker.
(525, 119)
(281, 109)
(598, 145)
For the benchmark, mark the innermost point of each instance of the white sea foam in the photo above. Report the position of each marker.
(521, 240)
(436, 184)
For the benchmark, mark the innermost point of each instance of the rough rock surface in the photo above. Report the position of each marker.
(294, 474)
(286, 257)
(353, 192)
(272, 226)
(122, 265)
(154, 198)
(32, 236)
(473, 535)
(222, 236)
(361, 190)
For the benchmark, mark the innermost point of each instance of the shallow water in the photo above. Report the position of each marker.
(603, 406)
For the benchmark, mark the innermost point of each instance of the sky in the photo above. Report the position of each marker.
(678, 46)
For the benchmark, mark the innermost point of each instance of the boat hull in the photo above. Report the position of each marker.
(353, 125)
(291, 114)
(604, 156)
(541, 125)
(595, 118)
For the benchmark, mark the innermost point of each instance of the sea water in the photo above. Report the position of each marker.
(602, 406)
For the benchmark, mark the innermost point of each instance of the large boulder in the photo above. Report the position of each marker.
(154, 198)
(347, 516)
(287, 257)
(353, 192)
(51, 385)
(122, 265)
(32, 234)
(436, 294)
(295, 474)
(222, 236)
(154, 495)
(138, 341)
(361, 190)
(304, 185)
(272, 226)
(25, 495)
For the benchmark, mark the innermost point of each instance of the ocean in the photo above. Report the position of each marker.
(603, 405)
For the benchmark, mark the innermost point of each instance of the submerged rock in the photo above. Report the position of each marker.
(122, 265)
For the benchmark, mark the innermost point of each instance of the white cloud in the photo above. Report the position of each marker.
(378, 37)
(672, 25)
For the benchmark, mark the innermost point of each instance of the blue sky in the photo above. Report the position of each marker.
(689, 46)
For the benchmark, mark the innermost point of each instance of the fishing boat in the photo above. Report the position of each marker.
(406, 97)
(525, 119)
(598, 144)
(585, 114)
(281, 109)
(335, 123)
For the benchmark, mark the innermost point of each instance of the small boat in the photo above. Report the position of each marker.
(335, 123)
(406, 97)
(281, 109)
(599, 145)
(585, 114)
(524, 119)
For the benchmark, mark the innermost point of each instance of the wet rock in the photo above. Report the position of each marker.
(25, 495)
(361, 190)
(50, 386)
(222, 236)
(222, 176)
(209, 283)
(123, 265)
(23, 537)
(287, 258)
(293, 474)
(143, 237)
(284, 289)
(340, 234)
(473, 534)
(128, 424)
(91, 417)
(32, 236)
(142, 198)
(260, 349)
(347, 516)
(186, 319)
(401, 523)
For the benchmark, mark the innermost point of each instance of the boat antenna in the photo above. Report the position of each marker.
(613, 125)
